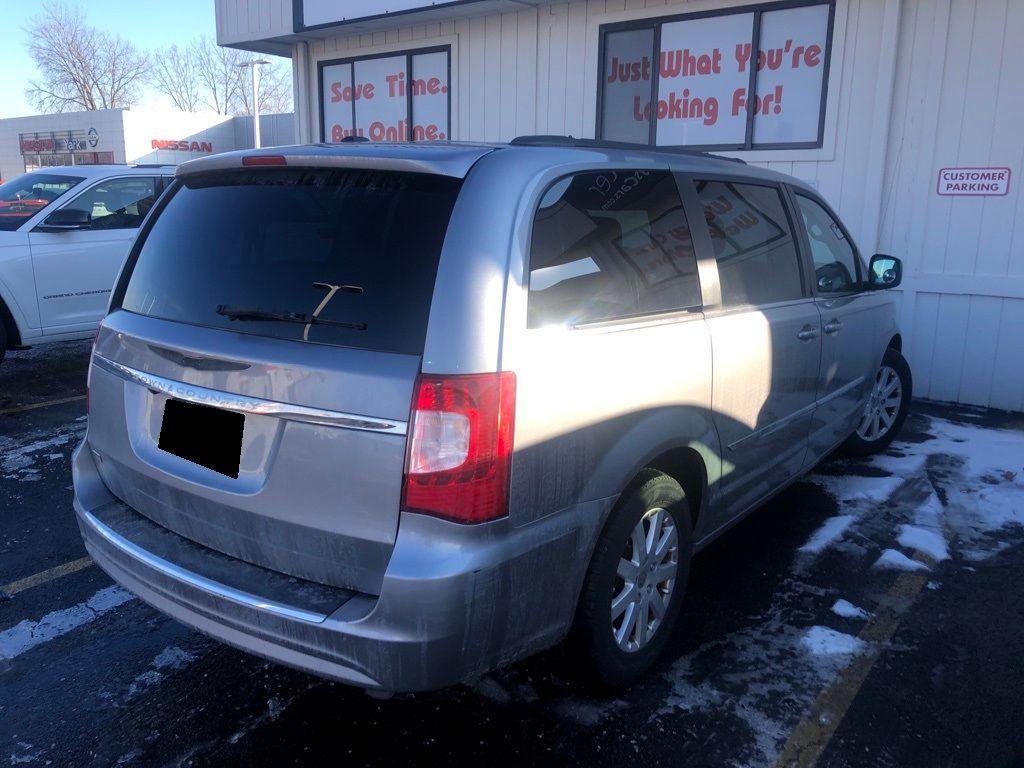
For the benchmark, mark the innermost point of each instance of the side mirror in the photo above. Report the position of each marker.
(884, 272)
(66, 219)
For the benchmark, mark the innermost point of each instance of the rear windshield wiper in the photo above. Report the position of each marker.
(245, 313)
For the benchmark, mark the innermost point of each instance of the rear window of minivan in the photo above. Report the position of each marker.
(341, 257)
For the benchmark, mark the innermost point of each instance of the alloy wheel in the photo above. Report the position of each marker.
(883, 405)
(645, 578)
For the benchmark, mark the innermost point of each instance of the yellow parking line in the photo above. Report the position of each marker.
(44, 576)
(808, 740)
(33, 406)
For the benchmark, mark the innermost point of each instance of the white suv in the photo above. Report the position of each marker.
(64, 233)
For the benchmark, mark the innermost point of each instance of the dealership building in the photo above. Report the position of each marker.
(129, 136)
(905, 115)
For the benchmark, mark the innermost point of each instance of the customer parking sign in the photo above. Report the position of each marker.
(974, 182)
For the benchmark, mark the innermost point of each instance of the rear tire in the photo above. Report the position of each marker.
(3, 340)
(886, 409)
(634, 587)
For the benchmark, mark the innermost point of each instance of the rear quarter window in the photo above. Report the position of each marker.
(341, 257)
(610, 244)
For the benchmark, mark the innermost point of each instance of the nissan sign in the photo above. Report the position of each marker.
(183, 145)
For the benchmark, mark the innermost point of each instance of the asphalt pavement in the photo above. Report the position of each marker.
(870, 615)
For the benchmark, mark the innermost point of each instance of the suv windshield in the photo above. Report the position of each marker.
(24, 196)
(342, 257)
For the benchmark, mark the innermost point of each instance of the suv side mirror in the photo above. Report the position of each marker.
(884, 272)
(66, 219)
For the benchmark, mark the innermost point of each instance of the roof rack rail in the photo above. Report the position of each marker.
(152, 165)
(554, 140)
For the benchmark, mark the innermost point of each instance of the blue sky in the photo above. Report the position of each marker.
(147, 23)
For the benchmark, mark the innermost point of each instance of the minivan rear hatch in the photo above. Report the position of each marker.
(251, 386)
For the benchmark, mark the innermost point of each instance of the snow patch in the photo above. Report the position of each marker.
(895, 560)
(925, 541)
(169, 659)
(25, 755)
(830, 531)
(858, 490)
(848, 610)
(762, 675)
(822, 641)
(18, 456)
(28, 634)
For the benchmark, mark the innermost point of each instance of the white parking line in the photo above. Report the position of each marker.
(44, 576)
(26, 635)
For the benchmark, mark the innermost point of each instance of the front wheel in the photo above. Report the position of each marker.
(634, 587)
(886, 409)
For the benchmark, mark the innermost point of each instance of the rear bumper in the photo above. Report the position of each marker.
(456, 601)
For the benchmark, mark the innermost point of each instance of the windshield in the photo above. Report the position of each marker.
(24, 196)
(342, 257)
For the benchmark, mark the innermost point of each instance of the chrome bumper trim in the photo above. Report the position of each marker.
(254, 405)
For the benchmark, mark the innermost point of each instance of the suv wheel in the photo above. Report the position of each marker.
(886, 408)
(634, 588)
(3, 340)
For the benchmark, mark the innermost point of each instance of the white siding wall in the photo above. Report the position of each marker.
(915, 85)
(239, 21)
(959, 101)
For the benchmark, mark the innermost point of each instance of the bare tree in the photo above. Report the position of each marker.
(80, 66)
(175, 73)
(275, 90)
(204, 75)
(218, 73)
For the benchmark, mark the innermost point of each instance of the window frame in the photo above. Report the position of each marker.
(676, 313)
(408, 53)
(706, 259)
(157, 194)
(37, 218)
(807, 255)
(656, 22)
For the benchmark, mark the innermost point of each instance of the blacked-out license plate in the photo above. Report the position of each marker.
(207, 436)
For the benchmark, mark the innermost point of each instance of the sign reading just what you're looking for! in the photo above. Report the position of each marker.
(706, 65)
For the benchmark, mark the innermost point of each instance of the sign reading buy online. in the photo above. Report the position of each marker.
(371, 97)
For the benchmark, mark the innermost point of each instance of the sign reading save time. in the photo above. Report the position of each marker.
(974, 182)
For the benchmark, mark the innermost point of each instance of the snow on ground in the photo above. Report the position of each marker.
(822, 641)
(26, 635)
(22, 457)
(766, 675)
(894, 560)
(170, 659)
(848, 610)
(957, 495)
(931, 543)
(828, 534)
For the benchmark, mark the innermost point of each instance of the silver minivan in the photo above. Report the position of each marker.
(402, 414)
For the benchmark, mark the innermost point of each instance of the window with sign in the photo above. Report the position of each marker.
(686, 81)
(610, 244)
(403, 96)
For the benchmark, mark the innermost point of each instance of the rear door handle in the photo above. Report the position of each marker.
(834, 327)
(807, 333)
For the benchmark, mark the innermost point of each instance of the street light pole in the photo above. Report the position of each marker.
(255, 64)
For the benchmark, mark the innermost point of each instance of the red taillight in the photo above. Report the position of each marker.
(264, 160)
(460, 446)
